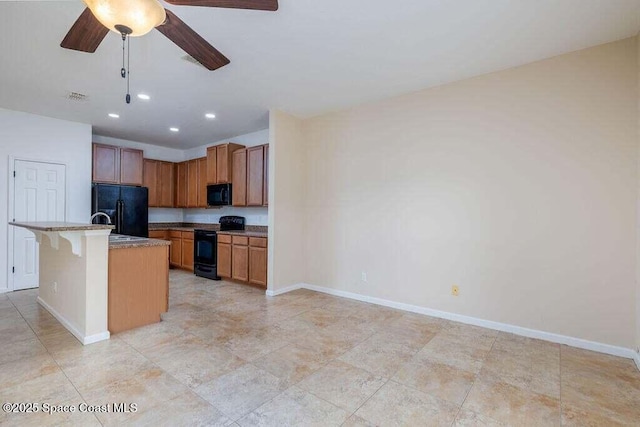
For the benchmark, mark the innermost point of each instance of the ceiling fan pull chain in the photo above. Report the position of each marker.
(123, 71)
(128, 71)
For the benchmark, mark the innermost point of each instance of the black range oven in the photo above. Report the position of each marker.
(205, 248)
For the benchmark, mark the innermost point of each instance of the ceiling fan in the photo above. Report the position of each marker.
(138, 17)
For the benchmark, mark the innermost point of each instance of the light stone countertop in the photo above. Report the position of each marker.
(61, 226)
(137, 242)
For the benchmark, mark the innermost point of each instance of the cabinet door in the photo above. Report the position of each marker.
(106, 164)
(222, 164)
(258, 266)
(240, 263)
(187, 254)
(181, 185)
(167, 184)
(175, 254)
(239, 189)
(255, 176)
(212, 165)
(131, 166)
(192, 183)
(202, 182)
(265, 186)
(150, 180)
(224, 260)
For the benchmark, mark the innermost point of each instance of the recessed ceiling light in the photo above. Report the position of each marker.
(174, 129)
(210, 116)
(114, 115)
(144, 96)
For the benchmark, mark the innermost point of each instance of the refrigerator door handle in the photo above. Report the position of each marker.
(119, 211)
(122, 207)
(94, 199)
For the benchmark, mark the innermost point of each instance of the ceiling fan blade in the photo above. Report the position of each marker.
(192, 43)
(86, 34)
(271, 5)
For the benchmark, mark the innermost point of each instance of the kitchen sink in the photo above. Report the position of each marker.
(122, 238)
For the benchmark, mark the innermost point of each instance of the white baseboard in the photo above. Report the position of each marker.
(503, 327)
(4, 290)
(89, 339)
(102, 336)
(271, 293)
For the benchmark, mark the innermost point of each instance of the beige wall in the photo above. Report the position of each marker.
(519, 186)
(286, 202)
(30, 137)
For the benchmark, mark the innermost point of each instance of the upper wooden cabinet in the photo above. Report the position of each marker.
(265, 196)
(250, 176)
(131, 166)
(150, 180)
(239, 176)
(202, 182)
(181, 185)
(220, 163)
(116, 165)
(158, 177)
(191, 184)
(166, 173)
(255, 176)
(106, 164)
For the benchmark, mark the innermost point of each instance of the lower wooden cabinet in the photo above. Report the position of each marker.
(224, 255)
(187, 250)
(243, 259)
(258, 261)
(181, 249)
(240, 258)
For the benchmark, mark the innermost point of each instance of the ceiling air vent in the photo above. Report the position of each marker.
(193, 60)
(76, 96)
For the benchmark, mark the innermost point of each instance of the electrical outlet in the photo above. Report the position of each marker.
(364, 276)
(55, 287)
(455, 291)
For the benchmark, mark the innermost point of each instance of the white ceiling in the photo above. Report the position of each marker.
(310, 57)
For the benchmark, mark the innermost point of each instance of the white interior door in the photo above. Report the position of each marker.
(39, 195)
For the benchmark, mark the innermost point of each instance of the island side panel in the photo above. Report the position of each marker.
(138, 286)
(97, 258)
(62, 285)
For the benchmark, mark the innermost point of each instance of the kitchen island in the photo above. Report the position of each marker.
(95, 284)
(73, 275)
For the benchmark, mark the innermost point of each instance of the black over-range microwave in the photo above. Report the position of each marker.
(219, 195)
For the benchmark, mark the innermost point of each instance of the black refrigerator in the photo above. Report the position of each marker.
(127, 206)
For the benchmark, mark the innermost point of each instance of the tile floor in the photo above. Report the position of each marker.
(227, 355)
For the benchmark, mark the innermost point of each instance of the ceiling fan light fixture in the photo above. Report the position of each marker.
(141, 16)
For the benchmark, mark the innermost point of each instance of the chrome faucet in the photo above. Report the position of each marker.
(99, 214)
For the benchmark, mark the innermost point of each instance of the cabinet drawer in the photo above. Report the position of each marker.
(240, 240)
(187, 235)
(158, 234)
(224, 238)
(175, 233)
(258, 242)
